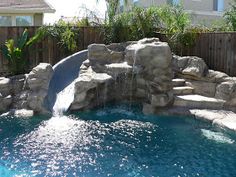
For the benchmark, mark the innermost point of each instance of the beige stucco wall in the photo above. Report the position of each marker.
(38, 19)
(200, 10)
(207, 20)
(202, 5)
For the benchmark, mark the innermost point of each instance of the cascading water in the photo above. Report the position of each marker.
(134, 70)
(64, 99)
(61, 87)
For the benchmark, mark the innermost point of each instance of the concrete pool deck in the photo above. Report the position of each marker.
(221, 118)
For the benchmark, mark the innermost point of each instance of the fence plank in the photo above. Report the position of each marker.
(217, 49)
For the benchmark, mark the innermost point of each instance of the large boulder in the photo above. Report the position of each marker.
(216, 76)
(40, 76)
(150, 53)
(37, 82)
(17, 83)
(153, 58)
(100, 54)
(5, 102)
(191, 66)
(5, 86)
(227, 91)
(87, 87)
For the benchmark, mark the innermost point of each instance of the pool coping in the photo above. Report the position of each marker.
(219, 117)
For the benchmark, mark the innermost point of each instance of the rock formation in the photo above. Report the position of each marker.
(129, 71)
(205, 82)
(26, 91)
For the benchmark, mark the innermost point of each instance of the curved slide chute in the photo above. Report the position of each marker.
(61, 85)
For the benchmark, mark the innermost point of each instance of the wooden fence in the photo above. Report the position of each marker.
(217, 49)
(47, 50)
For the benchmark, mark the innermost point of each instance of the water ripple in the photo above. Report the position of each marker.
(108, 146)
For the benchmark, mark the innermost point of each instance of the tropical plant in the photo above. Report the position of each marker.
(15, 53)
(132, 25)
(64, 32)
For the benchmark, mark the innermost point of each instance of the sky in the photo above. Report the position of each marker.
(71, 8)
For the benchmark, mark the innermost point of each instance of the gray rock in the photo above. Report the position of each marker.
(149, 40)
(160, 100)
(35, 100)
(5, 102)
(198, 101)
(116, 69)
(195, 67)
(208, 114)
(17, 83)
(5, 86)
(148, 109)
(118, 47)
(106, 76)
(141, 83)
(148, 53)
(23, 113)
(216, 76)
(202, 87)
(228, 122)
(80, 97)
(37, 82)
(225, 90)
(179, 63)
(141, 93)
(40, 76)
(85, 85)
(100, 54)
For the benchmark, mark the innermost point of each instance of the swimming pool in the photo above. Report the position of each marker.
(114, 141)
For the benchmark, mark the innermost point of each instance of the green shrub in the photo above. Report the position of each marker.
(15, 53)
(230, 16)
(65, 33)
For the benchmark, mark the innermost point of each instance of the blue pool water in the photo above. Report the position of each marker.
(114, 141)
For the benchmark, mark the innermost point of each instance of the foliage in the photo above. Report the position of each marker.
(230, 16)
(112, 8)
(84, 22)
(140, 22)
(133, 25)
(173, 18)
(15, 53)
(220, 25)
(65, 33)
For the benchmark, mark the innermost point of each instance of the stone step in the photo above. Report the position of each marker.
(198, 101)
(178, 82)
(183, 90)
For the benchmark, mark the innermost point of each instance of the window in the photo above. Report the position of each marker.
(219, 5)
(135, 2)
(24, 21)
(173, 2)
(5, 21)
(121, 5)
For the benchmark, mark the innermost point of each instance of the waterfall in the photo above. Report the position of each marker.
(61, 87)
(64, 99)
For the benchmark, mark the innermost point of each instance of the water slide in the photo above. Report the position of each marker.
(61, 86)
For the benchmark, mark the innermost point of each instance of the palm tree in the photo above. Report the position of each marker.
(112, 8)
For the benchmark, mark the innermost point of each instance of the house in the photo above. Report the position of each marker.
(23, 12)
(202, 11)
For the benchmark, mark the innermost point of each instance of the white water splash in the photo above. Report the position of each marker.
(216, 136)
(64, 99)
